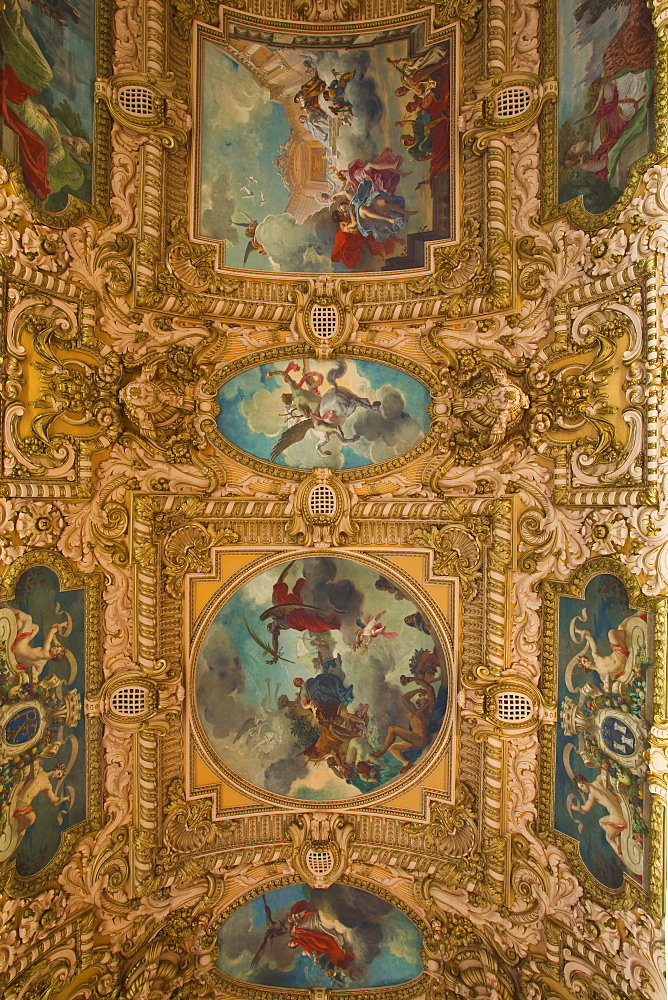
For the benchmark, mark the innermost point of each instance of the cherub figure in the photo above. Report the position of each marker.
(597, 793)
(370, 627)
(40, 782)
(35, 658)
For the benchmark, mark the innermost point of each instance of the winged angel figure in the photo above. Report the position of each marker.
(327, 413)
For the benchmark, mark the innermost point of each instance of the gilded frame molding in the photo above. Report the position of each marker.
(91, 584)
(437, 751)
(630, 893)
(259, 526)
(574, 209)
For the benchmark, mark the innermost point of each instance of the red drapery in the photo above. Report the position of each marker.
(32, 150)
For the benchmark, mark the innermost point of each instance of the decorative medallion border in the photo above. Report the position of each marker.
(437, 751)
(290, 351)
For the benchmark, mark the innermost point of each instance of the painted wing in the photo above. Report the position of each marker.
(249, 250)
(291, 436)
(261, 950)
(267, 912)
(591, 10)
(248, 724)
(295, 607)
(8, 636)
(269, 936)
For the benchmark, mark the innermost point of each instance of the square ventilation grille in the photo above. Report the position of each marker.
(137, 101)
(322, 501)
(128, 702)
(324, 322)
(319, 862)
(512, 706)
(511, 102)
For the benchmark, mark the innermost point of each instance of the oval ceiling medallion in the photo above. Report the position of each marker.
(320, 679)
(298, 938)
(339, 414)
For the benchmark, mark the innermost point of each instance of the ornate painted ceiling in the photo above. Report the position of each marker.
(332, 516)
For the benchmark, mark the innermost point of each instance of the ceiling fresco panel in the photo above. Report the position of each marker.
(375, 692)
(332, 512)
(340, 414)
(50, 751)
(339, 937)
(611, 70)
(603, 676)
(352, 149)
(52, 54)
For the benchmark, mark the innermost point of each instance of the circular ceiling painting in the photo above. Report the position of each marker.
(301, 938)
(340, 414)
(320, 679)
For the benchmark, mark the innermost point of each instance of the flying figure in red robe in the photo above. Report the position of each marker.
(290, 612)
(329, 948)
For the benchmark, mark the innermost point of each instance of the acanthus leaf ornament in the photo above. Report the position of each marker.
(467, 12)
(571, 384)
(450, 830)
(187, 549)
(188, 277)
(79, 379)
(327, 11)
(466, 279)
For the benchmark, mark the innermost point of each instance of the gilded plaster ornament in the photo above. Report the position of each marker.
(130, 319)
(326, 11)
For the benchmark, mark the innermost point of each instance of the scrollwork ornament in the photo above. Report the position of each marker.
(187, 549)
(467, 12)
(456, 551)
(327, 11)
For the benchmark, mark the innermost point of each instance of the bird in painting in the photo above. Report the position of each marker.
(250, 229)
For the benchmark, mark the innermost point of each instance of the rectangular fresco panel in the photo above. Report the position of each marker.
(606, 78)
(46, 96)
(315, 161)
(605, 668)
(42, 727)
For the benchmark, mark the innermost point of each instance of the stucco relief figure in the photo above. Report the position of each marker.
(605, 656)
(339, 938)
(334, 725)
(485, 399)
(161, 404)
(41, 691)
